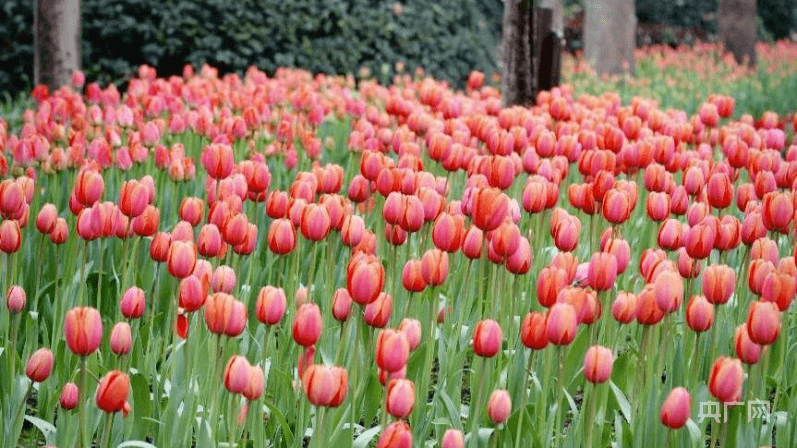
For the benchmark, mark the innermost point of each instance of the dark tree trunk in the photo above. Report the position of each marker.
(56, 31)
(738, 29)
(610, 35)
(517, 85)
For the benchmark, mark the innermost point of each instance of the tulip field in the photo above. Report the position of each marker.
(314, 261)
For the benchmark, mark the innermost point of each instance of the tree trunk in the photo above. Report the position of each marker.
(738, 29)
(516, 79)
(610, 35)
(56, 31)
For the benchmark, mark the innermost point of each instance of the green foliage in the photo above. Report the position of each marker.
(448, 38)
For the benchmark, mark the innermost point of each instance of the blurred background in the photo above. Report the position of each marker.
(448, 38)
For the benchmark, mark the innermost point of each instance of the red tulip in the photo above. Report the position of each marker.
(225, 315)
(39, 365)
(182, 258)
(112, 392)
(365, 277)
(83, 330)
(763, 322)
(676, 409)
(307, 325)
(133, 303)
(400, 398)
(747, 351)
(487, 338)
(281, 237)
(121, 339)
(598, 362)
(69, 396)
(377, 313)
(699, 314)
(434, 267)
(325, 386)
(237, 374)
(341, 305)
(392, 350)
(499, 406)
(532, 331)
(725, 381)
(271, 304)
(718, 283)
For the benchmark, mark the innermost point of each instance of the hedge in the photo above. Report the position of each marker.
(448, 38)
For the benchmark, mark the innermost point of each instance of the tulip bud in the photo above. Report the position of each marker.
(16, 299)
(676, 409)
(400, 398)
(602, 271)
(598, 362)
(83, 330)
(45, 220)
(182, 258)
(325, 386)
(434, 267)
(237, 374)
(307, 325)
(412, 330)
(69, 396)
(392, 350)
(271, 304)
(669, 291)
(39, 365)
(532, 331)
(225, 315)
(377, 313)
(561, 324)
(412, 277)
(487, 338)
(396, 435)
(718, 283)
(133, 303)
(112, 392)
(763, 322)
(748, 351)
(453, 438)
(281, 236)
(725, 381)
(192, 293)
(121, 338)
(255, 385)
(499, 406)
(699, 314)
(341, 305)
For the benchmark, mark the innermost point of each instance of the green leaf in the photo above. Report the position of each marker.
(622, 401)
(45, 427)
(286, 429)
(365, 438)
(135, 444)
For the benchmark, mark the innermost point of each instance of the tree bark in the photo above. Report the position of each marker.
(738, 29)
(517, 84)
(56, 31)
(610, 35)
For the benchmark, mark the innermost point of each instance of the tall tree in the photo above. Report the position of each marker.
(56, 36)
(610, 35)
(517, 84)
(738, 29)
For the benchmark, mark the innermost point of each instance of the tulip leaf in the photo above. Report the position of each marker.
(622, 401)
(281, 420)
(142, 402)
(364, 439)
(694, 432)
(44, 426)
(453, 412)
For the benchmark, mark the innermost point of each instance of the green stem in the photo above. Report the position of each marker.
(82, 394)
(560, 395)
(99, 279)
(106, 433)
(523, 399)
(476, 407)
(13, 347)
(81, 295)
(39, 271)
(589, 422)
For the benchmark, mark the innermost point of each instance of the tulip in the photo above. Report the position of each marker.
(341, 305)
(602, 271)
(192, 293)
(669, 291)
(377, 313)
(532, 331)
(411, 276)
(121, 338)
(561, 324)
(16, 299)
(255, 384)
(352, 230)
(271, 304)
(89, 187)
(472, 243)
(365, 278)
(182, 258)
(325, 386)
(69, 396)
(10, 236)
(396, 435)
(720, 190)
(598, 362)
(617, 206)
(779, 287)
(676, 409)
(499, 406)
(453, 438)
(60, 232)
(223, 279)
(218, 160)
(434, 267)
(237, 374)
(83, 330)
(725, 381)
(747, 351)
(490, 207)
(112, 392)
(718, 283)
(392, 350)
(315, 222)
(132, 303)
(448, 232)
(763, 322)
(159, 247)
(647, 310)
(551, 280)
(133, 198)
(412, 330)
(699, 314)
(400, 398)
(624, 307)
(45, 220)
(281, 236)
(487, 338)
(225, 315)
(39, 365)
(307, 325)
